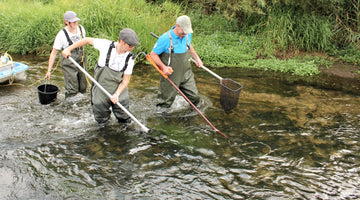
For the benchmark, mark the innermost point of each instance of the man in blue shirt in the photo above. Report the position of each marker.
(171, 54)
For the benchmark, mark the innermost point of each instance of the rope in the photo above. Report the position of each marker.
(57, 64)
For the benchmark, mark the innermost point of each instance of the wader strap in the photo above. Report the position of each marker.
(71, 42)
(101, 69)
(127, 60)
(109, 53)
(171, 47)
(83, 47)
(187, 42)
(67, 37)
(80, 27)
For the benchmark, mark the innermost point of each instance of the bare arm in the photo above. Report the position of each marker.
(67, 51)
(166, 69)
(124, 83)
(193, 53)
(51, 62)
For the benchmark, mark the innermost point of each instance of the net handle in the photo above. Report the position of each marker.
(144, 128)
(208, 70)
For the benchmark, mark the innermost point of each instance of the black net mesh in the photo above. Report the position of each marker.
(229, 93)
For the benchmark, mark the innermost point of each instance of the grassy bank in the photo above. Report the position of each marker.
(29, 27)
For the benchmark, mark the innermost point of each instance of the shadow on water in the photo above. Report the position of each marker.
(287, 141)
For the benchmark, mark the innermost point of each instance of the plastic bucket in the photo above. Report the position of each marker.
(49, 95)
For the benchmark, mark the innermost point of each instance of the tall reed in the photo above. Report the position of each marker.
(286, 29)
(31, 26)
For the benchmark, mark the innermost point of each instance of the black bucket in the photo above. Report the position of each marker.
(49, 95)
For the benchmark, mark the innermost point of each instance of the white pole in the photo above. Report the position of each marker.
(144, 128)
(208, 70)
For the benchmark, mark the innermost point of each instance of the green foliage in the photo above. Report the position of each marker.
(226, 48)
(31, 26)
(293, 66)
(233, 50)
(287, 29)
(208, 24)
(22, 30)
(229, 34)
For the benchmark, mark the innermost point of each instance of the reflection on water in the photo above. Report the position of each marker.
(287, 141)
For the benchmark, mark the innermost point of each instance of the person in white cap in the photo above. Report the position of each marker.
(171, 53)
(75, 80)
(112, 71)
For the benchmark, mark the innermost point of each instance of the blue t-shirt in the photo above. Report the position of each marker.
(163, 43)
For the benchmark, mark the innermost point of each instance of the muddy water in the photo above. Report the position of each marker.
(288, 140)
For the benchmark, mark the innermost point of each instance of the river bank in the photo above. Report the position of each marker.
(345, 77)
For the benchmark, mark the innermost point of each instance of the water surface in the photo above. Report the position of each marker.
(287, 140)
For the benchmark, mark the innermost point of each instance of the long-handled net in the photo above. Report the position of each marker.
(230, 90)
(229, 93)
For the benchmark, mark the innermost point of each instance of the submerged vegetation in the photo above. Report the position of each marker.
(267, 35)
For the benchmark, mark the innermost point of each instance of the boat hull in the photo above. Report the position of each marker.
(12, 71)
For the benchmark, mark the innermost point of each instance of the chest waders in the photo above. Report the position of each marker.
(182, 77)
(75, 80)
(109, 79)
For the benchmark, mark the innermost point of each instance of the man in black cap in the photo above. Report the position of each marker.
(112, 71)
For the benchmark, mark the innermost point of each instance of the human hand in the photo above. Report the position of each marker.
(167, 70)
(47, 75)
(115, 98)
(198, 62)
(66, 53)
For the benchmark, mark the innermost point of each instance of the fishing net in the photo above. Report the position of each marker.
(229, 93)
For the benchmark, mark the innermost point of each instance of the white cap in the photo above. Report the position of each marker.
(185, 23)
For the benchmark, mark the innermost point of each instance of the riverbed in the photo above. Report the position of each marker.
(287, 139)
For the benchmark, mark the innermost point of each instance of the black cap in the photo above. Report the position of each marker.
(129, 36)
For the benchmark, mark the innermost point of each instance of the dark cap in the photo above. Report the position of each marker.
(129, 37)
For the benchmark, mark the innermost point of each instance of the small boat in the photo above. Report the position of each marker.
(11, 71)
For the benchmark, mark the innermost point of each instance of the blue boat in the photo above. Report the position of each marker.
(11, 71)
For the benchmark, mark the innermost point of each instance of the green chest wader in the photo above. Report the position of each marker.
(182, 77)
(109, 80)
(75, 80)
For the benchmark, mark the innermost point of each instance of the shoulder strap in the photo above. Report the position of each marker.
(81, 31)
(187, 42)
(127, 60)
(109, 53)
(67, 37)
(171, 47)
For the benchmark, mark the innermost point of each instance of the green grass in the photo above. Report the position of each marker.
(30, 27)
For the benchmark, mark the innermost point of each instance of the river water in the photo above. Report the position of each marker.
(287, 140)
